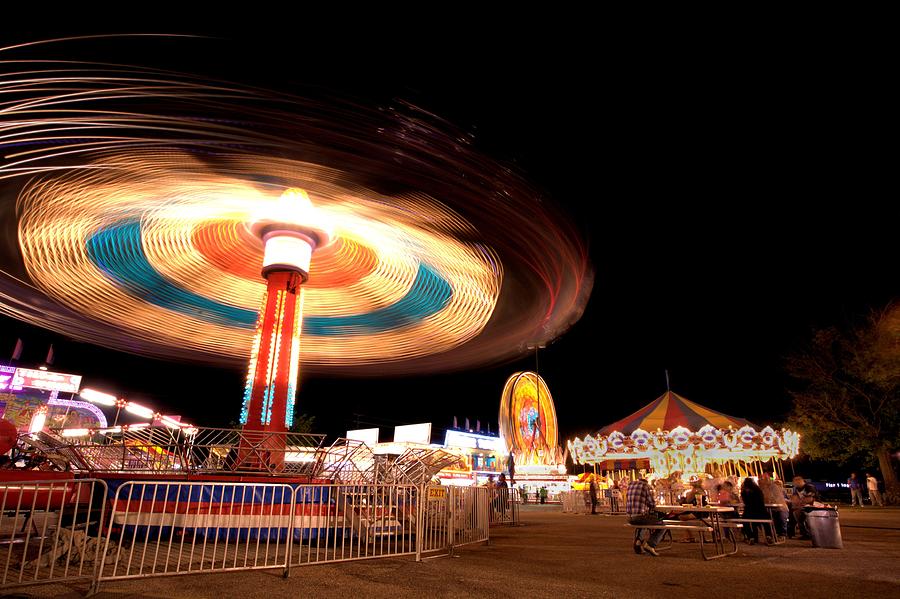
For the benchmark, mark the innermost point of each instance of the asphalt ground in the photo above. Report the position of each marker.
(564, 555)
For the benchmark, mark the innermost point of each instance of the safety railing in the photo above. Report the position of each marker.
(504, 506)
(160, 528)
(90, 530)
(335, 523)
(435, 530)
(469, 515)
(49, 529)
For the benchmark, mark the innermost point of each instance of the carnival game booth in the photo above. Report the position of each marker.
(673, 434)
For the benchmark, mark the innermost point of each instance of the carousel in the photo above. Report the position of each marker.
(675, 436)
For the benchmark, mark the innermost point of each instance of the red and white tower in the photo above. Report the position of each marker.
(291, 231)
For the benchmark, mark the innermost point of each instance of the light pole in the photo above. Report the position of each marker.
(537, 384)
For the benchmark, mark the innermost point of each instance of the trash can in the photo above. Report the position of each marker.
(824, 527)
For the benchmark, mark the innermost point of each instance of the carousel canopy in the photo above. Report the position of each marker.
(671, 410)
(676, 434)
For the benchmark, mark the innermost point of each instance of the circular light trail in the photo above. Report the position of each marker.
(131, 201)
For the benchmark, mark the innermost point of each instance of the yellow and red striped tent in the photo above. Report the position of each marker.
(670, 410)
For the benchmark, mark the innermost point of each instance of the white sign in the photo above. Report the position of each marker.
(369, 436)
(48, 381)
(413, 433)
(474, 441)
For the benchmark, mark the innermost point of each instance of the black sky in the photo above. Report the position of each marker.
(731, 197)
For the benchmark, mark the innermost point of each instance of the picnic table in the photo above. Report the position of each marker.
(711, 518)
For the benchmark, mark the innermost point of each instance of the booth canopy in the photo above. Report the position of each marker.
(670, 410)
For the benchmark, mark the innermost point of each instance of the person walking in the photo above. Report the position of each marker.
(856, 490)
(874, 493)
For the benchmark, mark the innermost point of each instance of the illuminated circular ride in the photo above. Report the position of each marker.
(528, 421)
(673, 434)
(155, 212)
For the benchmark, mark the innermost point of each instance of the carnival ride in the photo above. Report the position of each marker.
(673, 434)
(155, 212)
(528, 421)
(529, 430)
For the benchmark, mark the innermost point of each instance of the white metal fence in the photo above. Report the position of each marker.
(452, 516)
(70, 530)
(505, 506)
(160, 528)
(335, 523)
(49, 530)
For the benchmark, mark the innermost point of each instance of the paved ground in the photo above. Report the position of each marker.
(561, 555)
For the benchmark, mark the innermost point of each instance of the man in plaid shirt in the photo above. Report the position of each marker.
(641, 509)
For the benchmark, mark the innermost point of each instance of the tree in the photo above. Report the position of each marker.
(303, 423)
(847, 393)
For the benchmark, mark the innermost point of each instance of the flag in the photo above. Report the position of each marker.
(49, 359)
(455, 423)
(478, 426)
(467, 424)
(17, 353)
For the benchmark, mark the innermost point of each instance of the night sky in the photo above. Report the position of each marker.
(730, 201)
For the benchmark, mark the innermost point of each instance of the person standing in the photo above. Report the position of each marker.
(543, 493)
(592, 489)
(773, 491)
(874, 493)
(501, 493)
(615, 497)
(641, 509)
(856, 490)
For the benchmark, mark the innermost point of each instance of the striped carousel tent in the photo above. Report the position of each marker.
(674, 434)
(670, 410)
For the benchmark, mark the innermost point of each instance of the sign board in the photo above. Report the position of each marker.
(413, 433)
(435, 493)
(474, 441)
(46, 380)
(369, 436)
(7, 374)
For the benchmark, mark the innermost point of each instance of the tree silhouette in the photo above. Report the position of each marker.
(847, 393)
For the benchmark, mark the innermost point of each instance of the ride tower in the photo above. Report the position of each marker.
(290, 233)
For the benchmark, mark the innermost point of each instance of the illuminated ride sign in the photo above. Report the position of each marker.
(46, 381)
(7, 376)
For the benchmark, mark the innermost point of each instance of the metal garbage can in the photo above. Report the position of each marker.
(824, 527)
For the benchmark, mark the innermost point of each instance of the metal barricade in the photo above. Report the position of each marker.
(49, 529)
(434, 531)
(336, 523)
(504, 506)
(64, 530)
(575, 502)
(469, 515)
(163, 528)
(450, 516)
